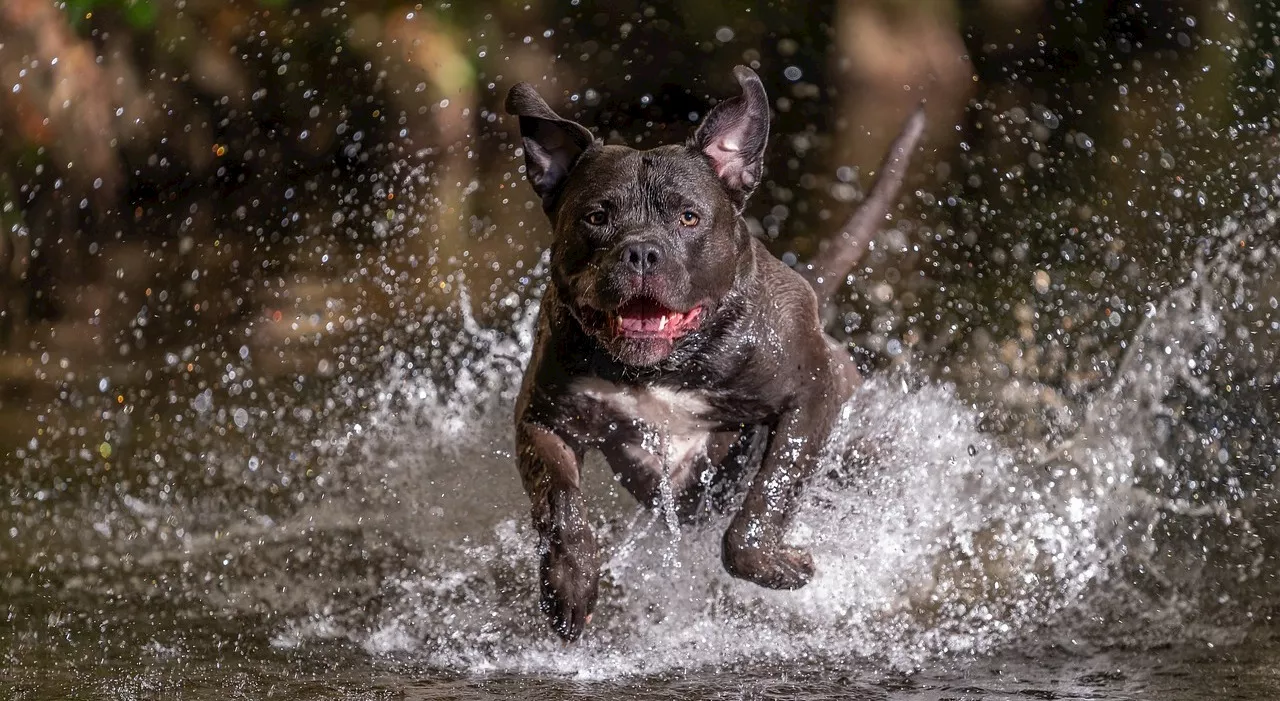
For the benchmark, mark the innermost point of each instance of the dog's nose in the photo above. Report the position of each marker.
(641, 257)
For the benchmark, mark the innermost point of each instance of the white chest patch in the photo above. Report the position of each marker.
(680, 411)
(678, 418)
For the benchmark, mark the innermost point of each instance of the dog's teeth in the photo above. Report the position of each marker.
(662, 323)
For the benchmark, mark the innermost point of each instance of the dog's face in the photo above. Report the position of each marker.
(647, 243)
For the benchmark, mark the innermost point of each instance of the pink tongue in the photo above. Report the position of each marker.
(648, 323)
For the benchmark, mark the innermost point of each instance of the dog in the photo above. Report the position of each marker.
(672, 341)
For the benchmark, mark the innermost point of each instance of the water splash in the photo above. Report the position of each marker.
(931, 537)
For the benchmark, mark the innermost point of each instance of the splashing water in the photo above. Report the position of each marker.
(931, 537)
(405, 533)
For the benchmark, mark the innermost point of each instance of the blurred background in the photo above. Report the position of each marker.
(199, 176)
(266, 271)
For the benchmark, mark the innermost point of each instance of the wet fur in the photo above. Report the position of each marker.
(753, 392)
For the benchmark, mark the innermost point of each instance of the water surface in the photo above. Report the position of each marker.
(212, 533)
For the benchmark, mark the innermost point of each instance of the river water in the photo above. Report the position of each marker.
(213, 533)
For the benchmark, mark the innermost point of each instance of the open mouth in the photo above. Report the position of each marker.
(646, 318)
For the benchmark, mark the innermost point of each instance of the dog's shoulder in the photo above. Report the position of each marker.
(791, 342)
(559, 349)
(788, 302)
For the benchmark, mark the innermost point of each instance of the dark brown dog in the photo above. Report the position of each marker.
(673, 342)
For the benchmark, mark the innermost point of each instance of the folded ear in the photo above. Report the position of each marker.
(552, 144)
(734, 134)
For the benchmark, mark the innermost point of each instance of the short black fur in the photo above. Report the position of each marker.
(673, 342)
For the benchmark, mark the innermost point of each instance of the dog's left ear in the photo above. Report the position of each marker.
(734, 134)
(552, 144)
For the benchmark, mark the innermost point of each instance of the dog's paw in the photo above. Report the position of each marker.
(570, 571)
(568, 593)
(772, 566)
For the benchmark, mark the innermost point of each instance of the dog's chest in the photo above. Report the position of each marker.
(678, 421)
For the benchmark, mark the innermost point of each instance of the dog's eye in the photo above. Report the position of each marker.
(689, 219)
(597, 218)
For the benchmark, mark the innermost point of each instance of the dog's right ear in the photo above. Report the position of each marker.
(552, 144)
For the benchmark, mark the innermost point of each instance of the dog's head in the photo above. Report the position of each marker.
(647, 243)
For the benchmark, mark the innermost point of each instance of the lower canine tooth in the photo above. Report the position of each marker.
(662, 323)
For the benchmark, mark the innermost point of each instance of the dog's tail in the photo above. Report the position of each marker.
(837, 255)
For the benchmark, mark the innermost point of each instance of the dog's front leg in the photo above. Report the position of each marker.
(570, 568)
(752, 547)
